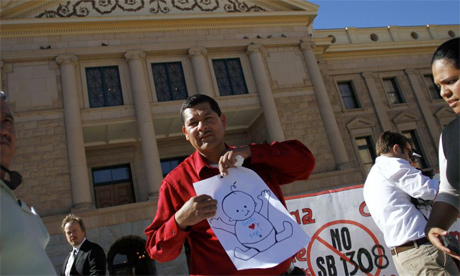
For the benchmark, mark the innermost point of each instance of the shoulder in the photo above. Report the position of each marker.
(88, 246)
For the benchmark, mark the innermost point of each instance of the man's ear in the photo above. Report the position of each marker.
(224, 120)
(396, 149)
(185, 133)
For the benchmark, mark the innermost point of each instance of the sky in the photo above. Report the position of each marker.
(337, 14)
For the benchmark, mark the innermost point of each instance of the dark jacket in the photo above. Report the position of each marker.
(90, 260)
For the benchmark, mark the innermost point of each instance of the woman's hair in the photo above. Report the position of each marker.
(388, 139)
(448, 50)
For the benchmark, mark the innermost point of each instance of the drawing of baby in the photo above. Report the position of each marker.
(250, 223)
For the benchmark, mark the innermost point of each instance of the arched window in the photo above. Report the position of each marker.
(127, 256)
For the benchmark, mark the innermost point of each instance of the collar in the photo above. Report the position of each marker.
(202, 166)
(78, 247)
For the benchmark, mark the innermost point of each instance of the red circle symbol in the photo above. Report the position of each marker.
(316, 237)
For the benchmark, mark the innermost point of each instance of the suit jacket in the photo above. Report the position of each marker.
(90, 260)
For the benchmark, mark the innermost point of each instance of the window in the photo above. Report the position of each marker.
(391, 88)
(229, 76)
(168, 165)
(113, 186)
(410, 134)
(434, 91)
(169, 81)
(348, 95)
(104, 87)
(366, 152)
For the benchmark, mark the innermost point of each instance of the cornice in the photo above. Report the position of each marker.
(380, 49)
(69, 26)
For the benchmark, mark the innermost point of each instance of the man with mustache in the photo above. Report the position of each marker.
(23, 237)
(181, 214)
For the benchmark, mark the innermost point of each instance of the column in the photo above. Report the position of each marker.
(327, 114)
(1, 75)
(200, 70)
(424, 106)
(272, 120)
(81, 189)
(145, 123)
(379, 106)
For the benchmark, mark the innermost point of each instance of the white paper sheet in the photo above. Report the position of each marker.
(252, 225)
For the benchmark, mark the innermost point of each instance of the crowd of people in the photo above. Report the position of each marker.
(418, 244)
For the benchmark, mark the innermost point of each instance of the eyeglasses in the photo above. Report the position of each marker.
(3, 96)
(414, 156)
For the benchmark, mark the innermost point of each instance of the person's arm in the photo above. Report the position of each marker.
(442, 216)
(97, 262)
(291, 160)
(169, 229)
(413, 182)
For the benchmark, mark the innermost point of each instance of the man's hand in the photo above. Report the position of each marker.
(195, 210)
(228, 160)
(434, 237)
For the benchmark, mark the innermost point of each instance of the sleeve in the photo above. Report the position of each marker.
(97, 261)
(414, 183)
(164, 238)
(289, 160)
(447, 193)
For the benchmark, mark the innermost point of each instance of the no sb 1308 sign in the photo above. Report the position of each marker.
(344, 238)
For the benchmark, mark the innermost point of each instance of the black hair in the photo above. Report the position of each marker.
(196, 99)
(448, 50)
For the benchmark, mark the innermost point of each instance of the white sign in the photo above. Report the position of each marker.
(252, 225)
(344, 238)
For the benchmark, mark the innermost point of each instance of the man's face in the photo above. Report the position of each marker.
(74, 234)
(405, 153)
(204, 129)
(8, 135)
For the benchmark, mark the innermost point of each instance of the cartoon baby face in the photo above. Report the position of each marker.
(238, 206)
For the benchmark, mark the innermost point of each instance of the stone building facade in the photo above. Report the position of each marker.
(96, 87)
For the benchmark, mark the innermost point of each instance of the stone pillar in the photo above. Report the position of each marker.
(81, 189)
(145, 122)
(327, 114)
(377, 101)
(272, 120)
(424, 106)
(1, 75)
(200, 70)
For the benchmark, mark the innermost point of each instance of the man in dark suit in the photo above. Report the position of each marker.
(86, 258)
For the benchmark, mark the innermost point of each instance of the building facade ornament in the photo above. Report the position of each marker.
(84, 8)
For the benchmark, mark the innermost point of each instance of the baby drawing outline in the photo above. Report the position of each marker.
(250, 223)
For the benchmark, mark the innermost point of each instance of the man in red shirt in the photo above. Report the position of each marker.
(181, 214)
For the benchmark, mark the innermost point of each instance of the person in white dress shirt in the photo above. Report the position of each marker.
(389, 187)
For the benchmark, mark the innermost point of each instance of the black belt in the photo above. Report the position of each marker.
(408, 245)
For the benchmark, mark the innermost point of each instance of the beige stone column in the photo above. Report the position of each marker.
(200, 70)
(327, 114)
(272, 120)
(379, 106)
(424, 106)
(145, 122)
(1, 75)
(81, 189)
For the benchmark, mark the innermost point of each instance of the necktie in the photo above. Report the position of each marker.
(70, 262)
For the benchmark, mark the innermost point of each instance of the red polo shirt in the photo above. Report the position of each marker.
(277, 164)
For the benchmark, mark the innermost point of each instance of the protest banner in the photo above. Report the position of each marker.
(344, 238)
